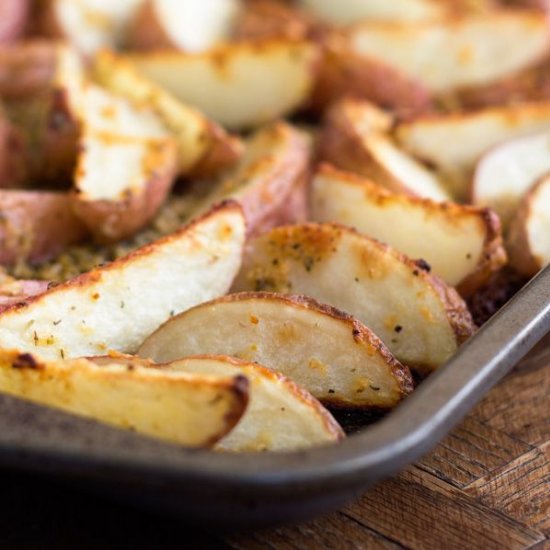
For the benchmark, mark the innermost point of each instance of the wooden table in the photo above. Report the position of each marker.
(486, 486)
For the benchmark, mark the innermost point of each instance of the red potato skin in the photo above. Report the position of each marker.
(345, 74)
(146, 32)
(26, 69)
(110, 221)
(41, 142)
(35, 226)
(14, 15)
(282, 198)
(12, 168)
(266, 19)
(223, 153)
(15, 292)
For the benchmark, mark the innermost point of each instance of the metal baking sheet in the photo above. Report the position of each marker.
(252, 490)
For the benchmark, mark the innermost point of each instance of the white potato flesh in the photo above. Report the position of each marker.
(195, 134)
(195, 25)
(113, 167)
(507, 172)
(280, 416)
(116, 306)
(182, 408)
(333, 356)
(415, 178)
(419, 318)
(238, 85)
(529, 235)
(459, 52)
(454, 143)
(93, 24)
(345, 12)
(109, 113)
(459, 242)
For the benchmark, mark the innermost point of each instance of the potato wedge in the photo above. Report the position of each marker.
(459, 52)
(36, 225)
(473, 134)
(343, 72)
(88, 25)
(183, 408)
(238, 85)
(13, 291)
(116, 306)
(505, 173)
(330, 354)
(185, 25)
(529, 235)
(13, 19)
(121, 183)
(269, 181)
(126, 168)
(204, 147)
(281, 416)
(462, 244)
(351, 11)
(353, 138)
(419, 318)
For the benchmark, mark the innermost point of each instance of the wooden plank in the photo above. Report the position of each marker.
(472, 451)
(520, 489)
(420, 511)
(520, 405)
(334, 531)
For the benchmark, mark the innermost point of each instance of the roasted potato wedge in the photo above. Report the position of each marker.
(36, 225)
(13, 19)
(117, 305)
(354, 138)
(473, 134)
(185, 25)
(462, 244)
(204, 147)
(88, 25)
(343, 72)
(183, 408)
(238, 85)
(505, 173)
(281, 416)
(419, 318)
(269, 181)
(127, 165)
(330, 354)
(121, 183)
(457, 52)
(529, 235)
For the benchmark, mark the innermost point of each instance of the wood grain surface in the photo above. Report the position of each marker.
(486, 486)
